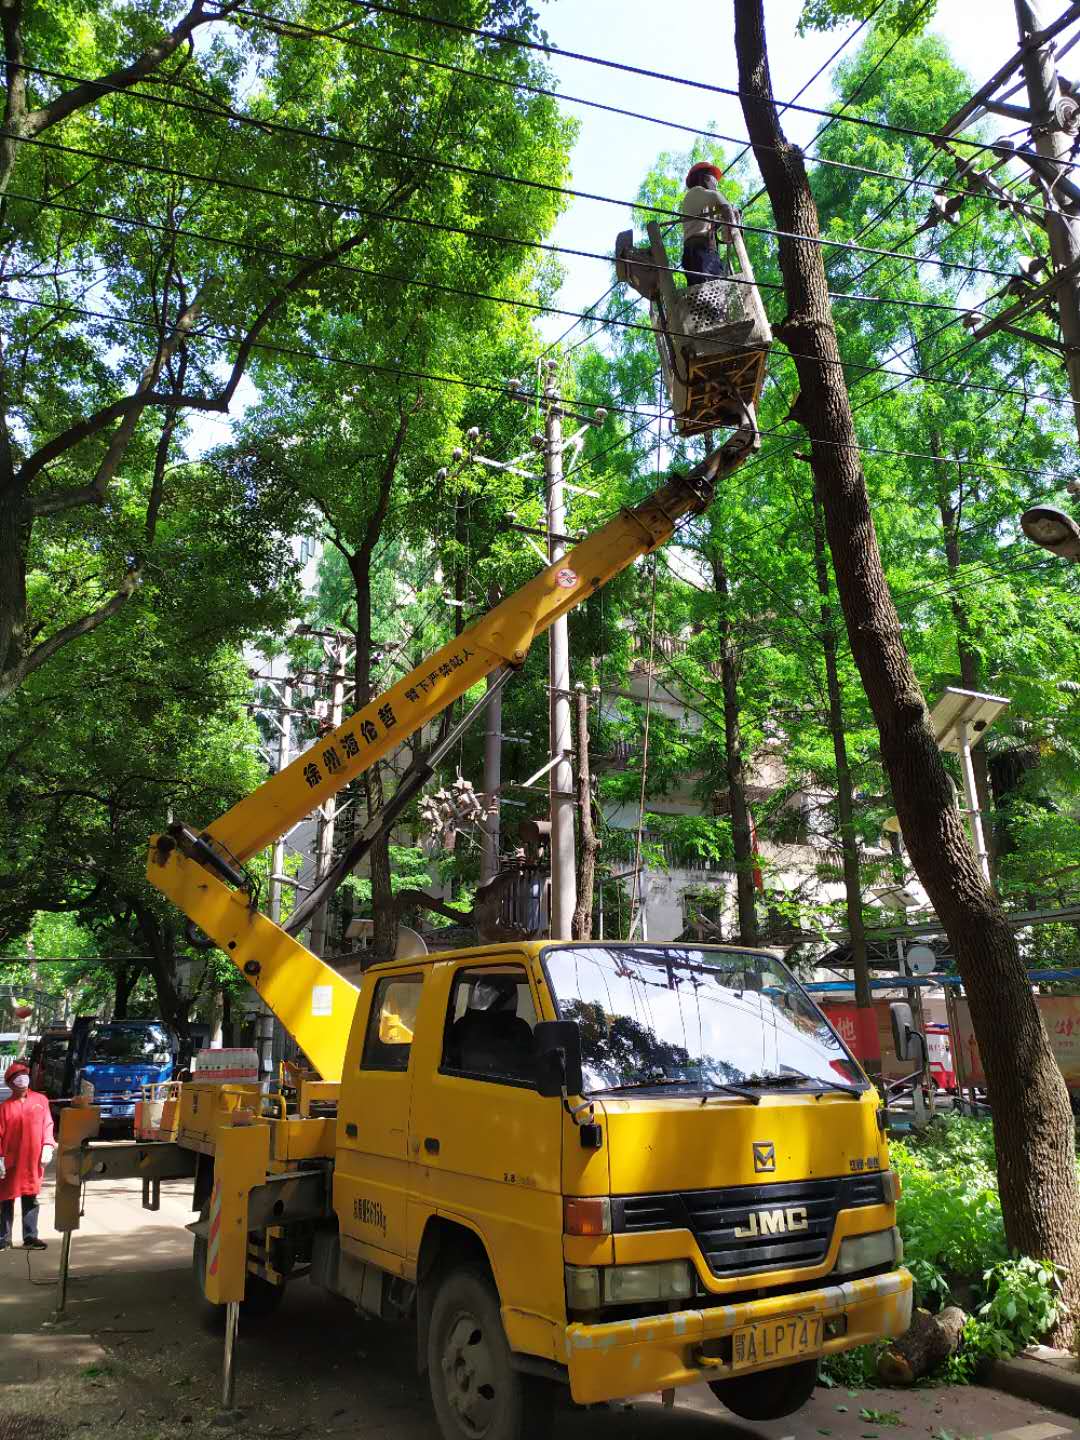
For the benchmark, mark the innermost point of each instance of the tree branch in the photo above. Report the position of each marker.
(12, 678)
(127, 410)
(130, 408)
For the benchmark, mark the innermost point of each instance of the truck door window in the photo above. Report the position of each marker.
(391, 1023)
(489, 1026)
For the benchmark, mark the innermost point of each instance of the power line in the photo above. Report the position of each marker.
(273, 252)
(380, 7)
(478, 171)
(253, 247)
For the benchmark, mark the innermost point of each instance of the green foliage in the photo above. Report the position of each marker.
(954, 1245)
(906, 16)
(949, 1212)
(1023, 1303)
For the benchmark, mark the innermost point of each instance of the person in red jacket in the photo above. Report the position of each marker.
(26, 1147)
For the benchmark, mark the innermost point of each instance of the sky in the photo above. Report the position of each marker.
(695, 40)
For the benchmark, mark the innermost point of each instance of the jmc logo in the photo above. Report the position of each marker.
(773, 1222)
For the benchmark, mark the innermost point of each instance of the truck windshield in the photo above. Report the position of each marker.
(670, 1016)
(129, 1045)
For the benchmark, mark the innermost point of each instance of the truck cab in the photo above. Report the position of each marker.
(114, 1059)
(621, 1166)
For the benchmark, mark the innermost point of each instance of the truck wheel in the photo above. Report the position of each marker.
(260, 1297)
(476, 1392)
(770, 1394)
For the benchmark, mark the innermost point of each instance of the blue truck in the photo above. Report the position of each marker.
(110, 1061)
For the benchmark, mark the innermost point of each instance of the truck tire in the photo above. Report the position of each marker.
(260, 1297)
(769, 1394)
(476, 1392)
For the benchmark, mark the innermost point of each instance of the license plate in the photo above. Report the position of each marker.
(775, 1340)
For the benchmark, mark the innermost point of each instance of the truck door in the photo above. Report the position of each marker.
(371, 1168)
(486, 1147)
(78, 1042)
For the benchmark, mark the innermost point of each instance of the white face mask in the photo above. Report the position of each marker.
(20, 1082)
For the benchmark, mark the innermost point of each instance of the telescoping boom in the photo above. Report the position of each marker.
(202, 871)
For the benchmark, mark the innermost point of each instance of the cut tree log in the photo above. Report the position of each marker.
(928, 1341)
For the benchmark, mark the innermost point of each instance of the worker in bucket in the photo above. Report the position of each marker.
(701, 207)
(26, 1147)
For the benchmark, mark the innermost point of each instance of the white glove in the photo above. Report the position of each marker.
(46, 1154)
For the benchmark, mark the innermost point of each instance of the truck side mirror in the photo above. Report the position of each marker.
(909, 1043)
(557, 1055)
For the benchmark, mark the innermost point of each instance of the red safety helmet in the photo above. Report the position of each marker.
(16, 1068)
(703, 168)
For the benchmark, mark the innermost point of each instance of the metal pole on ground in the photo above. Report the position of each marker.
(62, 1278)
(228, 1373)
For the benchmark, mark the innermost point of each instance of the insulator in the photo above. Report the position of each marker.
(457, 453)
(442, 474)
(599, 415)
(537, 441)
(513, 385)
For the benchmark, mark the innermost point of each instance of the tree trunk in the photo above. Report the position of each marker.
(735, 768)
(869, 1042)
(14, 539)
(1033, 1125)
(160, 942)
(929, 1340)
(125, 982)
(970, 669)
(590, 843)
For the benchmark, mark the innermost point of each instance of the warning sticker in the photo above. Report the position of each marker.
(566, 578)
(322, 1000)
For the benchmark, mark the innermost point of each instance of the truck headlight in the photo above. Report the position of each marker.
(865, 1252)
(588, 1287)
(631, 1284)
(86, 1089)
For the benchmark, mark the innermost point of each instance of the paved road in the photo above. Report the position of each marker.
(136, 1357)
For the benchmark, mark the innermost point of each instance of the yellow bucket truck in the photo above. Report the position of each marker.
(617, 1168)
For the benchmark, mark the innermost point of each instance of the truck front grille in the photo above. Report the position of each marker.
(749, 1229)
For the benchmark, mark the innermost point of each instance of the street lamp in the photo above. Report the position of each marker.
(1053, 530)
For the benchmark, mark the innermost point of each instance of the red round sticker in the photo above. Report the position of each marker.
(566, 578)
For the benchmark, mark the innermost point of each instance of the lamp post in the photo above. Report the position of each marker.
(960, 719)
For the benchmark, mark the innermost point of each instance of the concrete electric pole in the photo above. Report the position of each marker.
(336, 653)
(489, 829)
(561, 774)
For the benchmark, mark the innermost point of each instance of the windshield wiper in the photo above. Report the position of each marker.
(795, 1077)
(741, 1091)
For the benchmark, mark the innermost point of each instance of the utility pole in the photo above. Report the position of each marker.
(561, 774)
(284, 746)
(489, 829)
(336, 654)
(1049, 108)
(590, 844)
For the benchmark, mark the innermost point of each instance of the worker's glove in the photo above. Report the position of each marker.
(47, 1152)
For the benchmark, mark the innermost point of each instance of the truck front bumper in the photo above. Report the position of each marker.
(634, 1357)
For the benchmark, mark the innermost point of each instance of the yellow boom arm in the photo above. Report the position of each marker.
(310, 999)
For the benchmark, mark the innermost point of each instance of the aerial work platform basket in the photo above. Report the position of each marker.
(713, 338)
